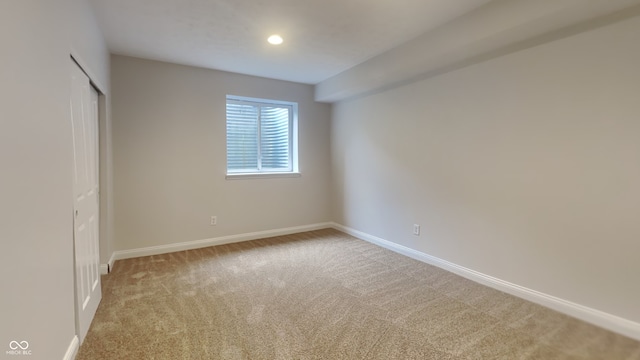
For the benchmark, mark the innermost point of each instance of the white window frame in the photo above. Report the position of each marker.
(293, 140)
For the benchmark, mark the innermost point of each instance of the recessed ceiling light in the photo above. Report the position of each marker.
(275, 39)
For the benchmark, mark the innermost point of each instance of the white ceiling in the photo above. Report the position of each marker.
(322, 37)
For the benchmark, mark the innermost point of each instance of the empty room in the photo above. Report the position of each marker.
(241, 179)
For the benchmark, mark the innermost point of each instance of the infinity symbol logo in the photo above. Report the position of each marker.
(14, 345)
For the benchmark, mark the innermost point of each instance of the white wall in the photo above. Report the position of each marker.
(36, 233)
(525, 167)
(170, 159)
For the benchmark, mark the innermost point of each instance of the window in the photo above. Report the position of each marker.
(261, 136)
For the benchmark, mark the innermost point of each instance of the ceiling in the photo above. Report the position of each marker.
(322, 38)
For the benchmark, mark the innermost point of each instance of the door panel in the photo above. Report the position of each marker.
(84, 118)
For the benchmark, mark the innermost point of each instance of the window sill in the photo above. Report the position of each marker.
(262, 175)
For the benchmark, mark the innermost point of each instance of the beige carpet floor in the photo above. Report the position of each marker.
(323, 295)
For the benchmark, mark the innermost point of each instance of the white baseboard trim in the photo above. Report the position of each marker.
(189, 245)
(596, 317)
(73, 348)
(106, 268)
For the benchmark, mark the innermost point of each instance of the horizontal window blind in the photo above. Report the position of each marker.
(258, 137)
(242, 137)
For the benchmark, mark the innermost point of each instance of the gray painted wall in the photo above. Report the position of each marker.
(36, 233)
(525, 167)
(169, 134)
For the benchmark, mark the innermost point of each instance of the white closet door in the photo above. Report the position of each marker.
(84, 117)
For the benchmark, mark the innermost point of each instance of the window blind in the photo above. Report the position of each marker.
(258, 137)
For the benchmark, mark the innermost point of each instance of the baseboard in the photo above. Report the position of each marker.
(106, 268)
(73, 348)
(189, 245)
(596, 317)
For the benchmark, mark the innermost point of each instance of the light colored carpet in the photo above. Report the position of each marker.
(323, 295)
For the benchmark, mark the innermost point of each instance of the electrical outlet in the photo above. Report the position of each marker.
(214, 221)
(416, 229)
